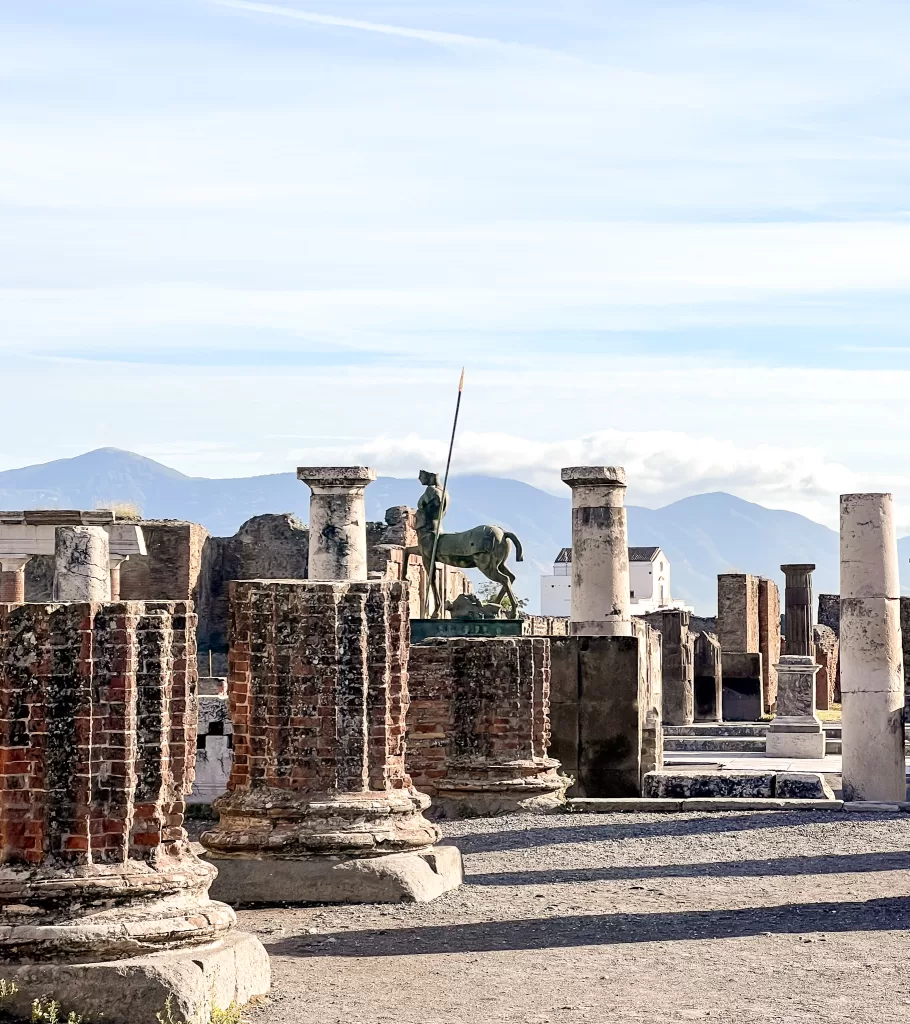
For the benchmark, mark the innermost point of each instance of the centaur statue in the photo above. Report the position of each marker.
(485, 547)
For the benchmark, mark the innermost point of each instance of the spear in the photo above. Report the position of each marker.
(445, 484)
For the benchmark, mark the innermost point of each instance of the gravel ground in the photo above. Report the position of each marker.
(735, 917)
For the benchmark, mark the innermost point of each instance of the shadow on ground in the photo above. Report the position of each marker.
(827, 864)
(605, 929)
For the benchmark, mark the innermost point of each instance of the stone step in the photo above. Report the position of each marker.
(718, 744)
(717, 729)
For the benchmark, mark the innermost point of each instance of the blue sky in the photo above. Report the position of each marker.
(235, 236)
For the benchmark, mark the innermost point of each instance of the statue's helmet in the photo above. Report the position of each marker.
(427, 478)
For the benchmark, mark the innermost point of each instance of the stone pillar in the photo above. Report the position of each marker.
(872, 684)
(479, 726)
(740, 642)
(796, 730)
(338, 540)
(319, 805)
(12, 579)
(600, 551)
(115, 564)
(97, 729)
(677, 666)
(82, 569)
(708, 679)
(769, 638)
(799, 607)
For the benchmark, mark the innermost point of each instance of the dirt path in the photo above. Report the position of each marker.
(565, 919)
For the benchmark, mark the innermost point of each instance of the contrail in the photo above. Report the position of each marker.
(426, 35)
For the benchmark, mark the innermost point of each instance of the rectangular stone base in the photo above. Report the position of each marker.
(797, 737)
(196, 980)
(394, 878)
(425, 629)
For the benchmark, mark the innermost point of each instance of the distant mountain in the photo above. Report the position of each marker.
(702, 535)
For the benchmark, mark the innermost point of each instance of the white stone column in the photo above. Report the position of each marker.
(338, 536)
(12, 579)
(600, 551)
(82, 570)
(871, 665)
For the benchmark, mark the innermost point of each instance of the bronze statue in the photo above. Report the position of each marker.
(485, 547)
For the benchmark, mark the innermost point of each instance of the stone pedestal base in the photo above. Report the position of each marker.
(795, 736)
(395, 878)
(488, 796)
(196, 980)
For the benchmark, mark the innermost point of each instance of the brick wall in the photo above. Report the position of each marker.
(170, 571)
(476, 702)
(737, 612)
(318, 685)
(97, 730)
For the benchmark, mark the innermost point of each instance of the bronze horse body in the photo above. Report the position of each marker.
(484, 547)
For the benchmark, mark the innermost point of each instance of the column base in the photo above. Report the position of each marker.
(196, 980)
(601, 627)
(417, 877)
(795, 736)
(456, 798)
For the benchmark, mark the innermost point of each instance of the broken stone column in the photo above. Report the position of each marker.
(826, 657)
(12, 579)
(600, 551)
(82, 570)
(796, 730)
(740, 643)
(479, 726)
(677, 665)
(319, 805)
(103, 905)
(872, 684)
(338, 540)
(768, 639)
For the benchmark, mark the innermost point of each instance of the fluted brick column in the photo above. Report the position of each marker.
(12, 580)
(318, 788)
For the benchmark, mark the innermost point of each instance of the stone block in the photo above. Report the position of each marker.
(685, 785)
(737, 613)
(235, 969)
(677, 665)
(802, 786)
(415, 877)
(769, 638)
(639, 805)
(742, 687)
(708, 678)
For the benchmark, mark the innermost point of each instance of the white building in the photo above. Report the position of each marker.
(649, 583)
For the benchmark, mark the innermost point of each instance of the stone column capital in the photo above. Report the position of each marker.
(336, 479)
(595, 486)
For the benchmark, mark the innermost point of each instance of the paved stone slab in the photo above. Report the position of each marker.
(608, 805)
(196, 980)
(732, 804)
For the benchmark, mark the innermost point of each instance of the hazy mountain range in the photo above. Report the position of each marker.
(702, 535)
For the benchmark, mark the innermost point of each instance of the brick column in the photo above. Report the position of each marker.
(479, 726)
(12, 579)
(318, 787)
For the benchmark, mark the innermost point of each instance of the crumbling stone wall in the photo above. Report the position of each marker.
(827, 655)
(479, 724)
(829, 612)
(769, 638)
(171, 569)
(737, 612)
(677, 665)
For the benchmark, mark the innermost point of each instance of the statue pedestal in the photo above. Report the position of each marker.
(424, 629)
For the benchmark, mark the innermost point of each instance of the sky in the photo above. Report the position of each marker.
(238, 236)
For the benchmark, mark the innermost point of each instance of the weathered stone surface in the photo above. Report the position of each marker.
(829, 611)
(802, 786)
(796, 730)
(338, 546)
(769, 639)
(233, 969)
(742, 687)
(214, 748)
(650, 661)
(391, 878)
(872, 676)
(318, 694)
(677, 665)
(170, 570)
(684, 785)
(599, 711)
(708, 678)
(826, 657)
(82, 569)
(479, 726)
(600, 555)
(737, 613)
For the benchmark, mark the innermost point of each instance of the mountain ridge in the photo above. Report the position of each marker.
(701, 535)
